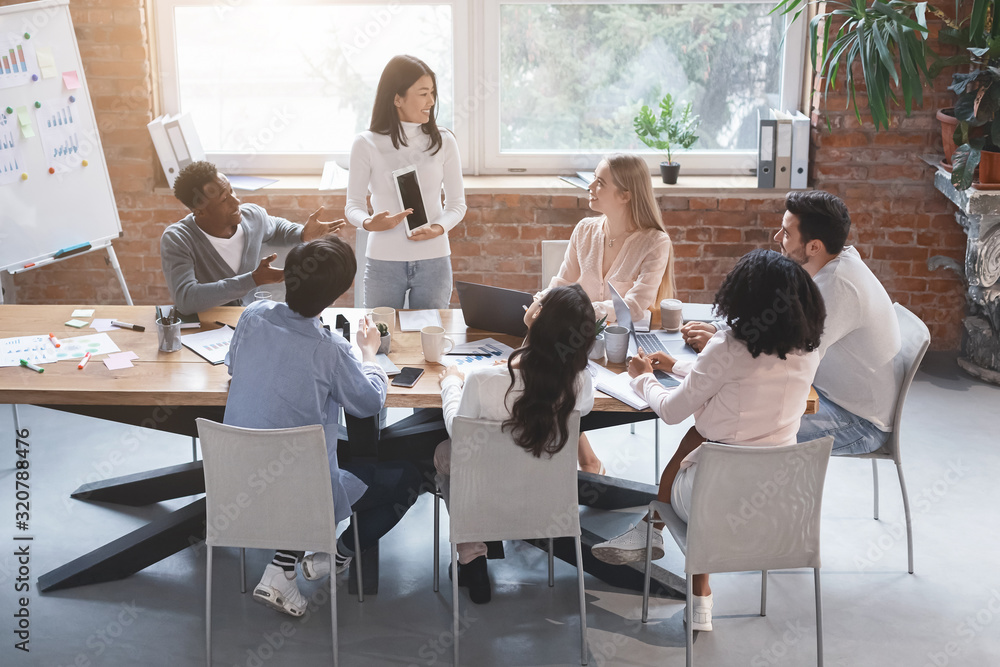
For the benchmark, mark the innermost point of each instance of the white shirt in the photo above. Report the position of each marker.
(373, 159)
(231, 249)
(859, 341)
(736, 399)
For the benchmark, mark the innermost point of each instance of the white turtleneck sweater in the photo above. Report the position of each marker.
(373, 159)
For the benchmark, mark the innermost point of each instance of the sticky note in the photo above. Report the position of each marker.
(83, 312)
(125, 355)
(25, 121)
(79, 324)
(71, 80)
(103, 324)
(116, 362)
(46, 62)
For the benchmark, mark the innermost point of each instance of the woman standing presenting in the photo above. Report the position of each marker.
(403, 133)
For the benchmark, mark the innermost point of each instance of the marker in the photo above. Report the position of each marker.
(525, 308)
(28, 364)
(55, 341)
(83, 362)
(28, 266)
(126, 325)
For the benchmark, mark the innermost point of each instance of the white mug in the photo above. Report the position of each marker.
(616, 340)
(671, 314)
(432, 340)
(385, 314)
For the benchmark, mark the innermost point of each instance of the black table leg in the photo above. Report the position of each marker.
(145, 488)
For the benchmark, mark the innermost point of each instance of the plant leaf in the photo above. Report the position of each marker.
(964, 163)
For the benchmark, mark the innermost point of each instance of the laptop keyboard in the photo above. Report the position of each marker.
(649, 343)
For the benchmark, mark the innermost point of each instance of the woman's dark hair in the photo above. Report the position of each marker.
(318, 272)
(397, 77)
(553, 355)
(821, 216)
(772, 304)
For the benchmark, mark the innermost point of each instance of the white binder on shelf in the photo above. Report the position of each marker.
(183, 139)
(800, 151)
(765, 152)
(782, 150)
(163, 150)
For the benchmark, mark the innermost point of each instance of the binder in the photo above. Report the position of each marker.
(765, 152)
(782, 150)
(183, 139)
(800, 150)
(163, 150)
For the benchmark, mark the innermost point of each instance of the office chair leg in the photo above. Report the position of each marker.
(632, 428)
(656, 451)
(819, 620)
(875, 480)
(763, 592)
(689, 630)
(17, 423)
(552, 561)
(194, 448)
(357, 557)
(243, 570)
(208, 609)
(437, 538)
(649, 565)
(333, 614)
(583, 601)
(906, 512)
(454, 598)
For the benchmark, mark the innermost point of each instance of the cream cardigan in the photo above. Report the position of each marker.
(636, 273)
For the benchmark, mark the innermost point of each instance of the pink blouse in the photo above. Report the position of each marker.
(636, 273)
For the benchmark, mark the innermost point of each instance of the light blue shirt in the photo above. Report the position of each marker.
(288, 371)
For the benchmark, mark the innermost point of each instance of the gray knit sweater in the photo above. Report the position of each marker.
(198, 277)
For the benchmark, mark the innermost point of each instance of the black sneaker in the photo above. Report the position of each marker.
(476, 578)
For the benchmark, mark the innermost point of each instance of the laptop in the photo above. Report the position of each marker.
(654, 341)
(493, 308)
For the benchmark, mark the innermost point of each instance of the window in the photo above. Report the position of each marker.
(526, 85)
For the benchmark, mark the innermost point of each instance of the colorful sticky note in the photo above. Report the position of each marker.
(25, 120)
(46, 62)
(116, 362)
(83, 312)
(79, 324)
(71, 80)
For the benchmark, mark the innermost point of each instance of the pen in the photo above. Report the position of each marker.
(221, 324)
(28, 364)
(525, 308)
(83, 362)
(55, 341)
(126, 325)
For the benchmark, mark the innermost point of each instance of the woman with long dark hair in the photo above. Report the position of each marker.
(747, 387)
(404, 133)
(533, 395)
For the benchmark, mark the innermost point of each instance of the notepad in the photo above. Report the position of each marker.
(616, 385)
(212, 346)
(415, 320)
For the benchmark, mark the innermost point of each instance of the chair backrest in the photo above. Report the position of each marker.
(500, 491)
(756, 508)
(267, 489)
(915, 339)
(553, 253)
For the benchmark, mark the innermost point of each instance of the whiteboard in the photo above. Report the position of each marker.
(42, 213)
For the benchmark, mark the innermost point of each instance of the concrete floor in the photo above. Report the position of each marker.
(947, 613)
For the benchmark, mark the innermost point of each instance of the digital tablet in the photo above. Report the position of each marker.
(408, 192)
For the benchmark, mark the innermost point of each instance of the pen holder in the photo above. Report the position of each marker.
(168, 332)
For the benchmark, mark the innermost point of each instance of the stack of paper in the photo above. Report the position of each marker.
(211, 345)
(485, 352)
(616, 385)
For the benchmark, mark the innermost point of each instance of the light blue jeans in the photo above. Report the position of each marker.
(851, 434)
(428, 280)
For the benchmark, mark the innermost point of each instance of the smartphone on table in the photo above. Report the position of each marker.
(408, 376)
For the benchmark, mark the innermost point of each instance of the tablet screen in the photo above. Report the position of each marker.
(409, 190)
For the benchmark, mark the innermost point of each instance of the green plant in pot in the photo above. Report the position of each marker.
(597, 349)
(666, 133)
(386, 337)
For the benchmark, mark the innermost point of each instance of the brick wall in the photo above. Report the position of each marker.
(899, 219)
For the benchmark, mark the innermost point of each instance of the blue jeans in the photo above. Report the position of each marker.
(392, 488)
(851, 434)
(428, 280)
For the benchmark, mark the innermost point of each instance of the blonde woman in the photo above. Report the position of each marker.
(627, 245)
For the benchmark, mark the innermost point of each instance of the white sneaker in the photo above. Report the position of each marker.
(279, 591)
(702, 613)
(317, 565)
(629, 547)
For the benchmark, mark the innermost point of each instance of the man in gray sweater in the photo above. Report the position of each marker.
(212, 256)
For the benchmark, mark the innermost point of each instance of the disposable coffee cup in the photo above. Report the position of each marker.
(168, 333)
(671, 314)
(616, 344)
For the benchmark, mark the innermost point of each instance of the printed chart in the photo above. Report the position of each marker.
(11, 161)
(33, 349)
(58, 126)
(485, 352)
(17, 62)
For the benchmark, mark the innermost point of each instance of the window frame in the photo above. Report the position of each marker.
(477, 94)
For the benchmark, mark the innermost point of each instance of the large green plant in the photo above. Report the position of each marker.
(666, 132)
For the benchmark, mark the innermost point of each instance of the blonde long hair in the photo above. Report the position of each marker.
(630, 174)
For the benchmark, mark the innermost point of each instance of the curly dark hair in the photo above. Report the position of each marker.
(553, 355)
(772, 304)
(821, 216)
(399, 74)
(191, 180)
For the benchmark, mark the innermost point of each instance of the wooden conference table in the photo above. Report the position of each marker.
(167, 391)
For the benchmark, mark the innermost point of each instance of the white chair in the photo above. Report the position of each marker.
(553, 253)
(291, 508)
(499, 491)
(916, 338)
(752, 508)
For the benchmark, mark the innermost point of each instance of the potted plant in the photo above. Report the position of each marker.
(667, 133)
(386, 337)
(597, 349)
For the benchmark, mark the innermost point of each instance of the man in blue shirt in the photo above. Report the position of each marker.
(287, 370)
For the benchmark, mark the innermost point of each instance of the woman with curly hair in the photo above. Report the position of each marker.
(747, 387)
